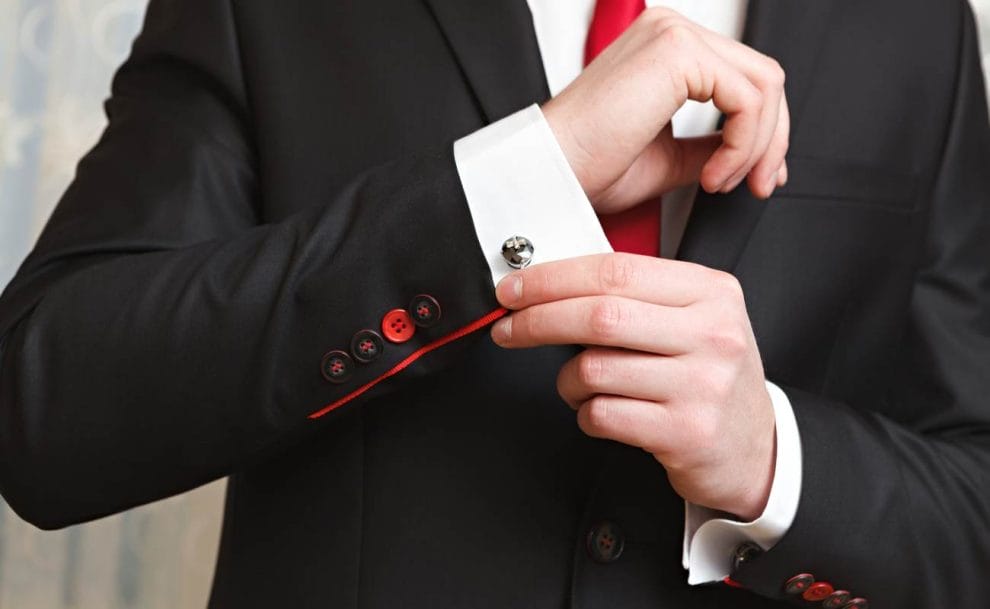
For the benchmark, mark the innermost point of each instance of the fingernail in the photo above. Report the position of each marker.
(772, 182)
(509, 290)
(502, 331)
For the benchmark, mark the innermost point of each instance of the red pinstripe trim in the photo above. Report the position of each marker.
(412, 357)
(728, 581)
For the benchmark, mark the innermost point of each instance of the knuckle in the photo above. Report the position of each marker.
(752, 100)
(657, 14)
(728, 340)
(526, 322)
(616, 273)
(674, 35)
(541, 282)
(591, 369)
(596, 415)
(775, 75)
(606, 318)
(727, 285)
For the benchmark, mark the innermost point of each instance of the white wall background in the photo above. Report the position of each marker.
(56, 59)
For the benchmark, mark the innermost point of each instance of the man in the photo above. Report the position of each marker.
(278, 264)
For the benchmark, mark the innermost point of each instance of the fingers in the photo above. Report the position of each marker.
(748, 87)
(634, 422)
(601, 371)
(742, 102)
(608, 321)
(771, 145)
(771, 170)
(671, 283)
(679, 160)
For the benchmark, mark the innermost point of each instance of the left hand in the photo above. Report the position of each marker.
(671, 366)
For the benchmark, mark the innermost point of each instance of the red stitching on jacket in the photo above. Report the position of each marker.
(412, 357)
(728, 581)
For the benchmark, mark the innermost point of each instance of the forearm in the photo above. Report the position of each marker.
(177, 363)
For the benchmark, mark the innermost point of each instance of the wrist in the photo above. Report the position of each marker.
(578, 156)
(755, 495)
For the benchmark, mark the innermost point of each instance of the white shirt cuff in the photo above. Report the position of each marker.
(710, 541)
(518, 183)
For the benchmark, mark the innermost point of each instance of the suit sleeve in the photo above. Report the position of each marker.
(164, 332)
(896, 510)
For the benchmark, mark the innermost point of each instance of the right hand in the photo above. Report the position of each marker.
(613, 121)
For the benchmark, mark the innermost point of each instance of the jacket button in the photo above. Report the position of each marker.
(836, 600)
(397, 326)
(745, 553)
(857, 603)
(799, 583)
(517, 252)
(367, 346)
(425, 311)
(605, 542)
(818, 591)
(337, 366)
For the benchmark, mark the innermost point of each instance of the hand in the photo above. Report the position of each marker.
(613, 121)
(671, 366)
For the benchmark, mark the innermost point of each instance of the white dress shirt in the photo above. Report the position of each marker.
(518, 182)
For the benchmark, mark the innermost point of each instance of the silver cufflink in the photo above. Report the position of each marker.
(518, 252)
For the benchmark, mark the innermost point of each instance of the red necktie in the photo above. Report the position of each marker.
(636, 230)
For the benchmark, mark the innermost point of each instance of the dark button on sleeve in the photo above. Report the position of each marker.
(605, 542)
(857, 603)
(425, 311)
(337, 366)
(799, 583)
(397, 326)
(836, 600)
(367, 346)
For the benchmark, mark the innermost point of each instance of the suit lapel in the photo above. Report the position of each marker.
(496, 48)
(792, 32)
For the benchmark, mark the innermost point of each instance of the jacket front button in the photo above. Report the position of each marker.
(836, 600)
(367, 346)
(397, 326)
(337, 367)
(799, 583)
(425, 311)
(605, 542)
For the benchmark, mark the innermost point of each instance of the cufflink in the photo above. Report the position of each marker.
(518, 252)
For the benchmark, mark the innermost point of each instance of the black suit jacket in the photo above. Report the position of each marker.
(278, 175)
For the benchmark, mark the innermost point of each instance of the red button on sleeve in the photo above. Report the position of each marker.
(397, 326)
(818, 591)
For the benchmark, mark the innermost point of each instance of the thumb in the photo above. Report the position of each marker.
(665, 164)
(683, 159)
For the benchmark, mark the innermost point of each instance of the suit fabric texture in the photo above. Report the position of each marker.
(276, 176)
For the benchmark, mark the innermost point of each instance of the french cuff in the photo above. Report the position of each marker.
(710, 542)
(518, 183)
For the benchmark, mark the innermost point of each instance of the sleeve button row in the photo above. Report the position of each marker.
(398, 326)
(804, 584)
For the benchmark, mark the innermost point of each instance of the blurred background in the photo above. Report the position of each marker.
(56, 61)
